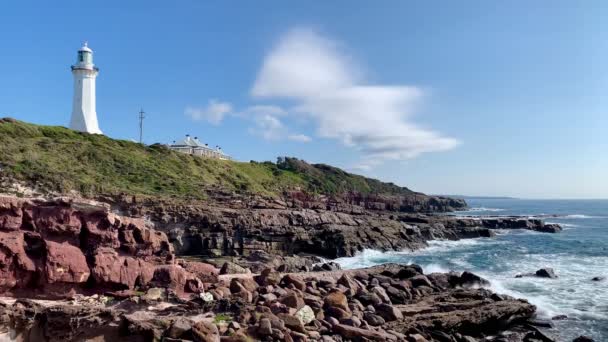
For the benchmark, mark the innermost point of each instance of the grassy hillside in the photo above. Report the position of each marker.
(59, 159)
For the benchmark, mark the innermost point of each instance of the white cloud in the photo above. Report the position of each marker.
(268, 127)
(325, 85)
(214, 112)
(299, 138)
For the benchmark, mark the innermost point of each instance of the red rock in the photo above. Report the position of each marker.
(99, 232)
(65, 263)
(205, 272)
(177, 278)
(337, 300)
(120, 271)
(11, 215)
(16, 268)
(57, 220)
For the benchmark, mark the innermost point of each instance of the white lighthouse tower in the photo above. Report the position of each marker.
(84, 115)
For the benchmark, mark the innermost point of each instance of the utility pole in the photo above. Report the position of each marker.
(141, 125)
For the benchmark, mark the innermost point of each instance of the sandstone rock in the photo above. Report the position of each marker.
(177, 278)
(264, 327)
(416, 338)
(205, 332)
(295, 281)
(65, 263)
(122, 272)
(388, 312)
(292, 300)
(180, 327)
(17, 269)
(353, 333)
(292, 322)
(232, 268)
(373, 319)
(337, 300)
(205, 272)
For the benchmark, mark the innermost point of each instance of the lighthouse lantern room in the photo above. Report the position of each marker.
(84, 115)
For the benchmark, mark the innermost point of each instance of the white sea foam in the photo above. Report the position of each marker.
(579, 216)
(485, 209)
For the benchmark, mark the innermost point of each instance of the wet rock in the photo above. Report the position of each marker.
(546, 273)
(583, 338)
(599, 278)
(471, 279)
(327, 266)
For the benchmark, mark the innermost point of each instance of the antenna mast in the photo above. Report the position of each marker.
(141, 125)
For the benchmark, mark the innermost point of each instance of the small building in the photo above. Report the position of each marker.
(194, 147)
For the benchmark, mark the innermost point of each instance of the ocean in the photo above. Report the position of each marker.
(577, 254)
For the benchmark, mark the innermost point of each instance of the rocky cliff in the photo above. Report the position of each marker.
(58, 248)
(328, 227)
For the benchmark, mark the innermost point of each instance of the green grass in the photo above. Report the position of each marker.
(57, 159)
(220, 317)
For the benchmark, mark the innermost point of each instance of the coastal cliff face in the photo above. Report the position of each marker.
(330, 228)
(117, 269)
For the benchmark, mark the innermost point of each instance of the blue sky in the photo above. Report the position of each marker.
(472, 97)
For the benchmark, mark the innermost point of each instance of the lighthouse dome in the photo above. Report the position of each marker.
(85, 47)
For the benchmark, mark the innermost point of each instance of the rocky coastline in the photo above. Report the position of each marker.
(123, 269)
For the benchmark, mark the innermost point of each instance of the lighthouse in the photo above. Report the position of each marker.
(84, 115)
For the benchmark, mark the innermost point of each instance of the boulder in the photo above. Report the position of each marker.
(336, 300)
(351, 332)
(203, 331)
(388, 312)
(205, 272)
(373, 319)
(470, 279)
(232, 268)
(292, 322)
(296, 281)
(546, 273)
(305, 314)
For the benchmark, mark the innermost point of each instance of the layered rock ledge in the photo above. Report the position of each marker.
(330, 228)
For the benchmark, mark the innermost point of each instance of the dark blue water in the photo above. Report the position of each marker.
(577, 254)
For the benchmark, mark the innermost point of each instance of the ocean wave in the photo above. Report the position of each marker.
(579, 216)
